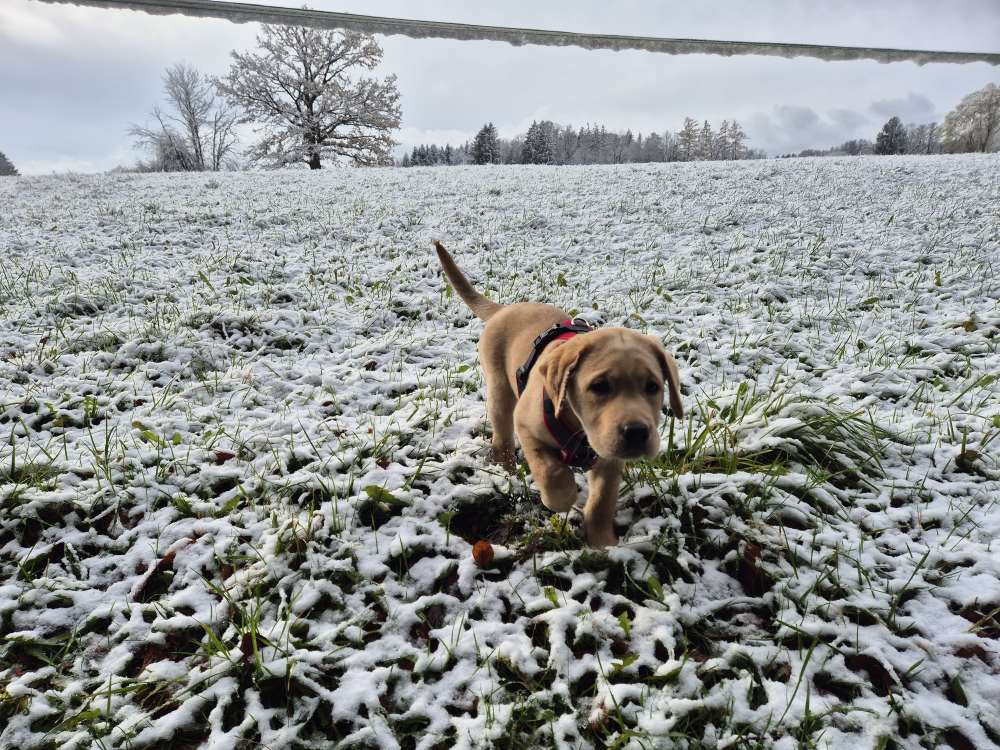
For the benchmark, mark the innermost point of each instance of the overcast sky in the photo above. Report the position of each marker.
(73, 79)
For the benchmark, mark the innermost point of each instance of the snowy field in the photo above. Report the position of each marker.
(243, 461)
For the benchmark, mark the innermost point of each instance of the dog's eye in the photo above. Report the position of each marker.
(652, 387)
(600, 387)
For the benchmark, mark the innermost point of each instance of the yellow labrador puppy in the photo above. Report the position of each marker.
(576, 398)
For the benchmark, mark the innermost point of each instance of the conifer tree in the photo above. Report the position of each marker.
(7, 168)
(688, 138)
(486, 146)
(892, 138)
(705, 141)
(720, 146)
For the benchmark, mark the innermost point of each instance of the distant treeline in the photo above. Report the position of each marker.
(549, 143)
(974, 125)
(894, 138)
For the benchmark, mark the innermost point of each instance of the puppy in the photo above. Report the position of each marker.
(574, 398)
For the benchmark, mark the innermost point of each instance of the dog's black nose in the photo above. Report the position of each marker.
(635, 434)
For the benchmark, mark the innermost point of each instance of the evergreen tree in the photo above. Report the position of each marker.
(688, 138)
(530, 141)
(720, 145)
(705, 141)
(892, 138)
(586, 152)
(537, 147)
(486, 146)
(7, 168)
(545, 142)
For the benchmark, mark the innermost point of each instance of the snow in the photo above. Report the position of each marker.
(243, 459)
(418, 29)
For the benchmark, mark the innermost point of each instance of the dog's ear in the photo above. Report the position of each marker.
(671, 377)
(557, 367)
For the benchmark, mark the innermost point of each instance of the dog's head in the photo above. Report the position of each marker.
(614, 380)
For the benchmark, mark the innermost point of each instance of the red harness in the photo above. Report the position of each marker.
(574, 449)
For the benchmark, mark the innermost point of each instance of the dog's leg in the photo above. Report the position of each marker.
(554, 479)
(500, 403)
(602, 503)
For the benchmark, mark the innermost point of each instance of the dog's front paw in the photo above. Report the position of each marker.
(600, 536)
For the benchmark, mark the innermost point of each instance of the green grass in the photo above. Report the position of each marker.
(243, 459)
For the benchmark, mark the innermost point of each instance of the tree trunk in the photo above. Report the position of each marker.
(314, 161)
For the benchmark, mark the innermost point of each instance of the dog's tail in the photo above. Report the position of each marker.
(483, 308)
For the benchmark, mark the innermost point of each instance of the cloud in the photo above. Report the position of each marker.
(849, 119)
(19, 25)
(792, 128)
(75, 78)
(911, 108)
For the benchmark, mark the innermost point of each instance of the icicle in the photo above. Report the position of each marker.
(251, 12)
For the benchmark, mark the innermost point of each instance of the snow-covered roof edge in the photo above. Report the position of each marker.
(252, 12)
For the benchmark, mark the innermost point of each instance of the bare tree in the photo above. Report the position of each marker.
(197, 130)
(736, 145)
(298, 88)
(923, 139)
(933, 143)
(974, 125)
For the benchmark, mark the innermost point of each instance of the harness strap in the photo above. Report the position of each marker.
(566, 329)
(574, 450)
